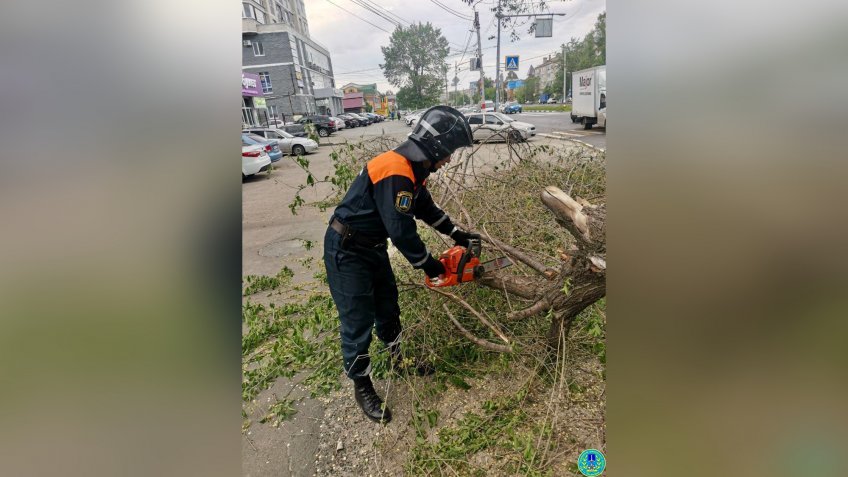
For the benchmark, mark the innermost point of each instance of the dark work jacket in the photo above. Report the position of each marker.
(388, 195)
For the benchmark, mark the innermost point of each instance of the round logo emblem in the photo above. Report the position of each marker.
(591, 462)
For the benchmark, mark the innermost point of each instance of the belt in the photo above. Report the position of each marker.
(352, 236)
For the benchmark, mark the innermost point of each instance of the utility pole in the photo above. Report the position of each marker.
(455, 82)
(498, 61)
(447, 96)
(564, 83)
(480, 58)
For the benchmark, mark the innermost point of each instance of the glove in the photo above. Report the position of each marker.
(433, 268)
(462, 237)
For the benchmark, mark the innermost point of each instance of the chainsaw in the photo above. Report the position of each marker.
(462, 264)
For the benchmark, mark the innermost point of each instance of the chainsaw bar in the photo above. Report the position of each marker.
(496, 264)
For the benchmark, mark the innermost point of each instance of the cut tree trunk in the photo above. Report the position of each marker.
(581, 279)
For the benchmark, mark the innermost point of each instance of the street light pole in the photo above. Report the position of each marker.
(564, 90)
(500, 16)
(480, 59)
(498, 60)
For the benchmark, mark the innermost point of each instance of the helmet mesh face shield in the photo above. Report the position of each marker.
(440, 131)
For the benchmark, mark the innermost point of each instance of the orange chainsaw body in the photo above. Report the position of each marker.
(460, 266)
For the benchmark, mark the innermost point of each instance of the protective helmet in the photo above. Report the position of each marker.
(440, 131)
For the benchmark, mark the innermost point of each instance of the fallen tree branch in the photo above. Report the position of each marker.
(473, 311)
(522, 257)
(518, 286)
(478, 341)
(531, 310)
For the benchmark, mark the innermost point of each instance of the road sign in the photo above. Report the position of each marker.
(475, 64)
(544, 27)
(512, 63)
(514, 84)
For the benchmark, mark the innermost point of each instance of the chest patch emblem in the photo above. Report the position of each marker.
(403, 201)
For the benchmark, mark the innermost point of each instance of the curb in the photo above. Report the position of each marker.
(573, 140)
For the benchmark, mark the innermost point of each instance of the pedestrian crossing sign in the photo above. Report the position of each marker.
(512, 63)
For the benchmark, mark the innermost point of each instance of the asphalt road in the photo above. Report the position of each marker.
(559, 126)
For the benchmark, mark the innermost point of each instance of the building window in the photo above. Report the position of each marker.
(250, 11)
(257, 49)
(265, 79)
(274, 111)
(281, 13)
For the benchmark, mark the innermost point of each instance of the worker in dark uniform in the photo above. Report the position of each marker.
(383, 202)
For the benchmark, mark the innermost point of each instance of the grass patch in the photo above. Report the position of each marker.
(281, 341)
(501, 426)
(547, 107)
(259, 283)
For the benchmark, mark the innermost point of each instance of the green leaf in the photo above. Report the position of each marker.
(459, 382)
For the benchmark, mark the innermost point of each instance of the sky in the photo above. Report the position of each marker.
(355, 45)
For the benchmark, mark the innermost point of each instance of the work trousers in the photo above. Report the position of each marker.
(363, 287)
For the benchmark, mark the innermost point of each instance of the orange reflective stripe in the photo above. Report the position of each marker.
(389, 164)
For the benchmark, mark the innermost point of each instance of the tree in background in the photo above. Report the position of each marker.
(531, 89)
(521, 94)
(586, 53)
(414, 61)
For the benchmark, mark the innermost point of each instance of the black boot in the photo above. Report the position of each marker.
(369, 401)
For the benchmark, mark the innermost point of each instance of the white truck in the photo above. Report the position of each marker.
(589, 101)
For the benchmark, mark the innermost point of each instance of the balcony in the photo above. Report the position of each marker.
(249, 26)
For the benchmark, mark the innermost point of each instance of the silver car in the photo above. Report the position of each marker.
(498, 126)
(297, 146)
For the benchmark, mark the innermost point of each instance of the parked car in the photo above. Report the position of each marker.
(350, 121)
(364, 120)
(271, 146)
(254, 160)
(376, 117)
(497, 126)
(294, 129)
(340, 123)
(297, 146)
(323, 124)
(512, 108)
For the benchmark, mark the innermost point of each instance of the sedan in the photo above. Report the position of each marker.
(340, 123)
(270, 146)
(497, 126)
(297, 146)
(349, 120)
(512, 108)
(291, 128)
(363, 120)
(254, 160)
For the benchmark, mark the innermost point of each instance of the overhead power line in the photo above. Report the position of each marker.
(451, 11)
(386, 10)
(357, 16)
(377, 11)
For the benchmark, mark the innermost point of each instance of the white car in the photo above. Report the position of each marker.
(498, 126)
(254, 160)
(340, 124)
(295, 146)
